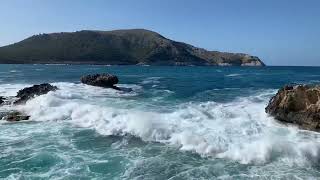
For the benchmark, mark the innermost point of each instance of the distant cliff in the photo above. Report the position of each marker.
(119, 47)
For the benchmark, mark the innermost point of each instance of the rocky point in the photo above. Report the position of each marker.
(299, 104)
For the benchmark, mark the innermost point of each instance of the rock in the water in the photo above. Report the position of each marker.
(36, 90)
(299, 105)
(101, 80)
(1, 100)
(15, 116)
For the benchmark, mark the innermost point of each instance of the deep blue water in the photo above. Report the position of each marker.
(177, 123)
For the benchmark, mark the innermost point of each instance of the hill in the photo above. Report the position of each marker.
(118, 47)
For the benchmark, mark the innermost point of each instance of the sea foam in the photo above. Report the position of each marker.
(239, 130)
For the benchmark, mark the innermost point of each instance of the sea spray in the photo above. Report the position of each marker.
(177, 123)
(238, 130)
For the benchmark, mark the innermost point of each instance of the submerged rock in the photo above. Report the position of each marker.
(101, 80)
(298, 104)
(25, 94)
(14, 116)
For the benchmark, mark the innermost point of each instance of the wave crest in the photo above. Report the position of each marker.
(239, 130)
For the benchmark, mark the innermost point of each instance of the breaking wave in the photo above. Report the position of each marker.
(239, 130)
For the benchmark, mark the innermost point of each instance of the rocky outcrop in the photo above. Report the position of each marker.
(22, 96)
(298, 105)
(25, 94)
(14, 116)
(101, 80)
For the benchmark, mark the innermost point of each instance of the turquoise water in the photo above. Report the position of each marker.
(177, 123)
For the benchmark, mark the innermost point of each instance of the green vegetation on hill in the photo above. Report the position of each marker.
(121, 47)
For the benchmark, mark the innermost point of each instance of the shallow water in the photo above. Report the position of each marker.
(177, 123)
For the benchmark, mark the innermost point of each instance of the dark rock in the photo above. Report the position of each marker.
(36, 90)
(14, 116)
(101, 80)
(1, 100)
(8, 100)
(298, 105)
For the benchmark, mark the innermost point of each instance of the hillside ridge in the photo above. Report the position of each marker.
(116, 47)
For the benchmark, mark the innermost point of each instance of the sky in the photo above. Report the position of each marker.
(279, 32)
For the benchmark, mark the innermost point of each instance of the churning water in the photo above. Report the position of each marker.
(177, 123)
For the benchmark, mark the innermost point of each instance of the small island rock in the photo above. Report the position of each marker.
(101, 80)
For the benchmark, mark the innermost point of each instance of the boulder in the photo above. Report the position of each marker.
(14, 116)
(25, 94)
(299, 104)
(101, 80)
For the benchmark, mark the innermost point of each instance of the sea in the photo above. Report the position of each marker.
(177, 123)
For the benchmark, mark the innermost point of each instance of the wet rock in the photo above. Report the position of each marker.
(298, 105)
(14, 116)
(101, 80)
(8, 100)
(1, 100)
(25, 94)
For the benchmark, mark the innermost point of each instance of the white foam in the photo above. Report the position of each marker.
(86, 91)
(238, 130)
(233, 75)
(11, 89)
(151, 80)
(14, 71)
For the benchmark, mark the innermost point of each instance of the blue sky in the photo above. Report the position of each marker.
(280, 32)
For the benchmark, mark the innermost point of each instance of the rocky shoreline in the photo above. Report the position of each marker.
(25, 94)
(22, 97)
(298, 105)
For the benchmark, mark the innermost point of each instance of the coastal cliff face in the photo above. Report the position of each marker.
(299, 105)
(119, 47)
